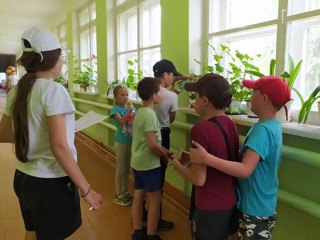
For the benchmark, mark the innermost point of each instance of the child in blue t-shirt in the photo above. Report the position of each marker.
(260, 160)
(122, 114)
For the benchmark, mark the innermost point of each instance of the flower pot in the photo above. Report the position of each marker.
(77, 87)
(92, 89)
(281, 114)
(235, 108)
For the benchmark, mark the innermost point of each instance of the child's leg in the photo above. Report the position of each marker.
(252, 227)
(154, 211)
(120, 166)
(126, 169)
(136, 210)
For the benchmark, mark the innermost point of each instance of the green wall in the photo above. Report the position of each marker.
(299, 195)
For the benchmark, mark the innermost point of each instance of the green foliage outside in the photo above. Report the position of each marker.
(132, 78)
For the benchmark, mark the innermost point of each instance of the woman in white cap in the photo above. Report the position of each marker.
(41, 114)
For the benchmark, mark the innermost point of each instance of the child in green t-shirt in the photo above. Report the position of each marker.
(145, 161)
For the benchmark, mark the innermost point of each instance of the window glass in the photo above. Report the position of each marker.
(127, 30)
(148, 59)
(151, 24)
(303, 43)
(121, 1)
(123, 63)
(301, 6)
(237, 13)
(84, 17)
(258, 42)
(145, 19)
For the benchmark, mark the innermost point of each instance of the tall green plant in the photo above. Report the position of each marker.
(307, 105)
(237, 69)
(131, 79)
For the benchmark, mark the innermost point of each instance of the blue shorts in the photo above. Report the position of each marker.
(149, 180)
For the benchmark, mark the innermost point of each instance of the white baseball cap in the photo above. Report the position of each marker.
(40, 41)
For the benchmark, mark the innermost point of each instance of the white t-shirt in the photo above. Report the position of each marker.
(167, 104)
(47, 98)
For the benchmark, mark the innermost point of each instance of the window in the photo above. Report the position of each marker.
(138, 36)
(88, 34)
(61, 31)
(260, 30)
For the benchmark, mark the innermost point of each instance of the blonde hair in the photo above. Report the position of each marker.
(116, 90)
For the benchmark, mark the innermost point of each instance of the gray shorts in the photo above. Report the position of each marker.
(256, 228)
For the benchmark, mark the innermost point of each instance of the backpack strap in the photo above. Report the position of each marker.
(225, 135)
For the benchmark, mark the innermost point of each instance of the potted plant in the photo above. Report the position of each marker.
(290, 77)
(307, 105)
(238, 68)
(130, 81)
(61, 79)
(84, 74)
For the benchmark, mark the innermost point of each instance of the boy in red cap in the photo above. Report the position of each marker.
(260, 160)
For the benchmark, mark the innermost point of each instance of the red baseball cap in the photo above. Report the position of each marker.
(275, 87)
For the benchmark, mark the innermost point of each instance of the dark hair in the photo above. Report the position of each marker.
(31, 61)
(148, 86)
(217, 89)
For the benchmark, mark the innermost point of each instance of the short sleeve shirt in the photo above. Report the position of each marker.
(167, 104)
(123, 134)
(218, 192)
(142, 158)
(47, 98)
(258, 193)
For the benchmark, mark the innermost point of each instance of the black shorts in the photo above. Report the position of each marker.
(49, 206)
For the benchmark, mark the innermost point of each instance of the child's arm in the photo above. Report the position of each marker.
(155, 147)
(196, 174)
(242, 169)
(122, 120)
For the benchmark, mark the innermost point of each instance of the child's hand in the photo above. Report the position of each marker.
(165, 159)
(197, 153)
(130, 106)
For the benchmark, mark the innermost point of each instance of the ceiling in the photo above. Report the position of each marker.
(18, 15)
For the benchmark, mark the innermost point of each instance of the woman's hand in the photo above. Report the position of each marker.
(198, 154)
(93, 199)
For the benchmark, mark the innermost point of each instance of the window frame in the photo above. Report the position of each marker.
(120, 9)
(282, 24)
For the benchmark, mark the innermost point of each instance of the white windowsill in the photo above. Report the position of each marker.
(303, 130)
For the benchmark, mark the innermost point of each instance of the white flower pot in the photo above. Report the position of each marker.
(235, 108)
(77, 87)
(91, 89)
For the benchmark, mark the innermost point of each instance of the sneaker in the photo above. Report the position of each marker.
(164, 225)
(122, 201)
(139, 234)
(128, 196)
(154, 237)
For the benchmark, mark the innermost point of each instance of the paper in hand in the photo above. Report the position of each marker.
(87, 120)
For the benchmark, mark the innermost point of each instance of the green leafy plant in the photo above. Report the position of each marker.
(307, 105)
(61, 79)
(238, 68)
(132, 78)
(84, 73)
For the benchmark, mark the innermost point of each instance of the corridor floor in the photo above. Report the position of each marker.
(111, 222)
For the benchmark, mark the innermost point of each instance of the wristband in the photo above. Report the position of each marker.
(85, 194)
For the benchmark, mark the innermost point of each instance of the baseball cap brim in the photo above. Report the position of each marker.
(176, 73)
(249, 84)
(191, 86)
